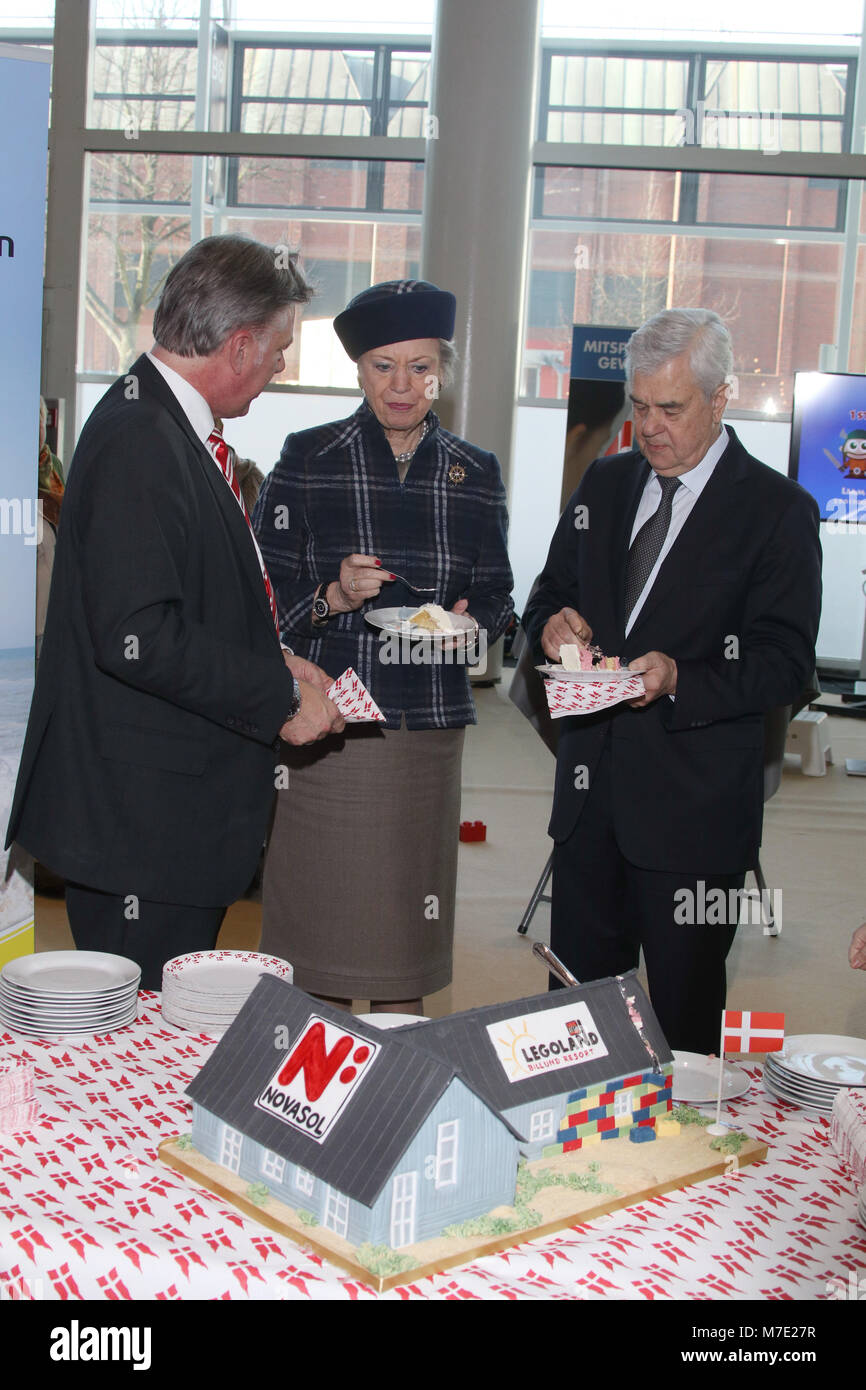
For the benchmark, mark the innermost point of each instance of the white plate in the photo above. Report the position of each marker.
(396, 620)
(232, 973)
(71, 972)
(826, 1057)
(587, 677)
(782, 1093)
(696, 1079)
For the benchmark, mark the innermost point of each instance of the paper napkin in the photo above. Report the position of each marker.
(585, 697)
(353, 700)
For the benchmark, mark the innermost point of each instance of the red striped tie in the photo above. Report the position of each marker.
(222, 452)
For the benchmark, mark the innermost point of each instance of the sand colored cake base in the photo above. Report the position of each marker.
(637, 1172)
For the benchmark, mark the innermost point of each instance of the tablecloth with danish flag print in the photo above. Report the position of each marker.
(87, 1210)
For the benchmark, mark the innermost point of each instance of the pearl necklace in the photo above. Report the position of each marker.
(410, 454)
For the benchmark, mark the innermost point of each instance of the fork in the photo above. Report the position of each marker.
(413, 587)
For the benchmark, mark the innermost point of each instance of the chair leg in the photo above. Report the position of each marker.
(770, 927)
(538, 896)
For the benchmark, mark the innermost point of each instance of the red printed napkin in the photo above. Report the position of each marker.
(585, 697)
(353, 700)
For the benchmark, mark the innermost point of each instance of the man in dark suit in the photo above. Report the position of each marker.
(700, 568)
(148, 768)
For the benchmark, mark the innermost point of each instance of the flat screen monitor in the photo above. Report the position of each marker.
(828, 442)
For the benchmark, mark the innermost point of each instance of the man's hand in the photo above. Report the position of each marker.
(308, 671)
(316, 718)
(857, 950)
(659, 677)
(563, 629)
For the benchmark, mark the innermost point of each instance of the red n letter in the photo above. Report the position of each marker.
(318, 1064)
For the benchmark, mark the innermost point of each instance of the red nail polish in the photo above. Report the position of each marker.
(379, 563)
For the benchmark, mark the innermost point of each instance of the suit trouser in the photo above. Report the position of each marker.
(148, 933)
(605, 909)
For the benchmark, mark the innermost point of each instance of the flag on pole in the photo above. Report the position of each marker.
(747, 1031)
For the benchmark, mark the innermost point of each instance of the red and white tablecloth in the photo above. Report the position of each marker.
(87, 1210)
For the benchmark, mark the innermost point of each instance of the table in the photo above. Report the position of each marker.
(88, 1211)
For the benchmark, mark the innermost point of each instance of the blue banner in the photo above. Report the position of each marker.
(24, 90)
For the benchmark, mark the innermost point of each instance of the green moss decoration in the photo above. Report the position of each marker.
(528, 1184)
(183, 1141)
(307, 1218)
(730, 1143)
(257, 1193)
(382, 1260)
(687, 1115)
(523, 1217)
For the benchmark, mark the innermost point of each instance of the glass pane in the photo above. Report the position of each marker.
(617, 194)
(749, 200)
(410, 76)
(719, 199)
(140, 178)
(777, 297)
(281, 118)
(813, 89)
(607, 81)
(152, 14)
(128, 258)
(308, 74)
(404, 186)
(27, 14)
(143, 86)
(335, 16)
(857, 355)
(770, 21)
(340, 259)
(329, 183)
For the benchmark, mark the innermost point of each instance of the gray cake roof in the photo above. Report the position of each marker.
(463, 1041)
(380, 1119)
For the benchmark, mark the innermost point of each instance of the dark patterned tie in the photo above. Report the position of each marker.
(647, 544)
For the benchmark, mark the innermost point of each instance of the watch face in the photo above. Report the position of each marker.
(320, 608)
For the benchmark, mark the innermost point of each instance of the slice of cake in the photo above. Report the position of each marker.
(577, 658)
(432, 618)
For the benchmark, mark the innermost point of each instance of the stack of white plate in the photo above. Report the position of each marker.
(861, 1205)
(205, 990)
(58, 992)
(813, 1067)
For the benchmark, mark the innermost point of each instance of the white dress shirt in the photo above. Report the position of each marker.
(692, 485)
(191, 402)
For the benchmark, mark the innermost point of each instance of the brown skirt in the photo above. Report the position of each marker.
(361, 868)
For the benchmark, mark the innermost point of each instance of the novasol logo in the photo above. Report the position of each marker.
(531, 1043)
(77, 1343)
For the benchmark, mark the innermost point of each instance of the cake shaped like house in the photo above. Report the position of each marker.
(388, 1136)
(567, 1068)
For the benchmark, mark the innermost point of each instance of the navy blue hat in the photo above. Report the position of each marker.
(397, 311)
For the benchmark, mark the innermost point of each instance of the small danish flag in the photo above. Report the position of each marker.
(745, 1031)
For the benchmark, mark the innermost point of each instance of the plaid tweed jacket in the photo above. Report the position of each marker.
(336, 492)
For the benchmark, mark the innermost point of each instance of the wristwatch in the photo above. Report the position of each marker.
(321, 606)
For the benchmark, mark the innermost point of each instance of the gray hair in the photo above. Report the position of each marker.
(221, 284)
(698, 332)
(448, 357)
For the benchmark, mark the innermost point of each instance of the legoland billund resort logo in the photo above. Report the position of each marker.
(546, 1041)
(324, 1067)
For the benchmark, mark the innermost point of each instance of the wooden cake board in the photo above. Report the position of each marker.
(638, 1172)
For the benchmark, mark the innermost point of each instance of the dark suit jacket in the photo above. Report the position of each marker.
(148, 765)
(736, 603)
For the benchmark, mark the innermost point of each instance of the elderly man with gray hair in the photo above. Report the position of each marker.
(700, 568)
(147, 775)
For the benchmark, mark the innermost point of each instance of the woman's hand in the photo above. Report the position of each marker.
(361, 578)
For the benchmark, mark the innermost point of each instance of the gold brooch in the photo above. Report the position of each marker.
(457, 473)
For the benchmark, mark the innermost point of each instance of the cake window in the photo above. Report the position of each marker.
(273, 1166)
(230, 1152)
(337, 1212)
(542, 1125)
(446, 1153)
(304, 1181)
(622, 1104)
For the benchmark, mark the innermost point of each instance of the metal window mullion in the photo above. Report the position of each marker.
(712, 231)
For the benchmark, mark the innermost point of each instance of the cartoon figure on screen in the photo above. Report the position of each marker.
(854, 453)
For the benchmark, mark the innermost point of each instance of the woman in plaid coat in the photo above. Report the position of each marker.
(361, 868)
